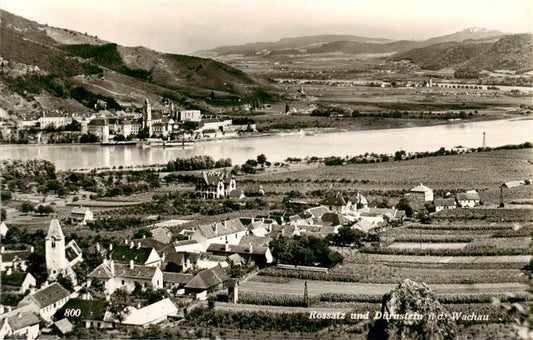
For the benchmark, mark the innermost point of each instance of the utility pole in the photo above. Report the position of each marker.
(484, 145)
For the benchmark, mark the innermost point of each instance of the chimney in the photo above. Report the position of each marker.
(226, 246)
(19, 315)
(1, 309)
(45, 284)
(131, 264)
(9, 271)
(251, 249)
(3, 249)
(163, 257)
(132, 244)
(110, 246)
(112, 267)
(225, 222)
(216, 228)
(97, 247)
(144, 236)
(126, 241)
(138, 245)
(32, 249)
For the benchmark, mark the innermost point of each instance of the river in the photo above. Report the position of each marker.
(280, 147)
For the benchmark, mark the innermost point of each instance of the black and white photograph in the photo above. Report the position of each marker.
(266, 169)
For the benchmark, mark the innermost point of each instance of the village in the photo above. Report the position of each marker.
(118, 127)
(169, 269)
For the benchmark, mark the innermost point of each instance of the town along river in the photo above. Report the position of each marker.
(280, 147)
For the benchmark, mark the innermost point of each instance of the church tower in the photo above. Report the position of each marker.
(147, 119)
(56, 261)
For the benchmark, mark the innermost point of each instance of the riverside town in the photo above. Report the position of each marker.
(266, 170)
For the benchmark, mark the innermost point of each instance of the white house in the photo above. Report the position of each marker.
(81, 215)
(468, 199)
(444, 204)
(188, 246)
(117, 275)
(421, 192)
(48, 300)
(230, 231)
(19, 323)
(150, 315)
(18, 282)
(134, 251)
(190, 116)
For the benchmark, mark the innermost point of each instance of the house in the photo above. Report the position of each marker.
(207, 281)
(54, 119)
(190, 116)
(468, 199)
(230, 231)
(379, 216)
(444, 204)
(100, 128)
(187, 246)
(81, 215)
(260, 255)
(255, 189)
(335, 202)
(208, 261)
(319, 231)
(176, 281)
(237, 195)
(256, 241)
(64, 326)
(19, 323)
(91, 313)
(148, 242)
(134, 251)
(47, 300)
(357, 201)
(127, 276)
(162, 235)
(420, 193)
(14, 259)
(17, 282)
(364, 226)
(150, 315)
(3, 229)
(287, 230)
(318, 212)
(214, 184)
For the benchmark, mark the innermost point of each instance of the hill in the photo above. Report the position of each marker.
(511, 52)
(291, 44)
(47, 68)
(349, 44)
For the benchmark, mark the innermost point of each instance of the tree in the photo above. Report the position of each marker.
(118, 303)
(398, 155)
(261, 159)
(142, 232)
(45, 210)
(27, 207)
(404, 205)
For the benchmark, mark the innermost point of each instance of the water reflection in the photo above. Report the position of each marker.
(279, 147)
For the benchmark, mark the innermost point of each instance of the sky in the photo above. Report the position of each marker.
(185, 26)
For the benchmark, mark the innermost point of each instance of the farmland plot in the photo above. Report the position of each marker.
(421, 245)
(317, 288)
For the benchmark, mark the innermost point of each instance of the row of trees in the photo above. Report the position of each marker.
(197, 163)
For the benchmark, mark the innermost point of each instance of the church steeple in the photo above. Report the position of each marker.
(56, 261)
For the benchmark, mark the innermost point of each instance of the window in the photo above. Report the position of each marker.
(122, 282)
